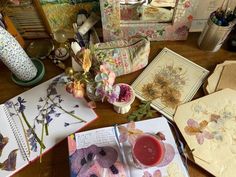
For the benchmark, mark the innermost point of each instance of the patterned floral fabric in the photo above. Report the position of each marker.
(115, 28)
(123, 56)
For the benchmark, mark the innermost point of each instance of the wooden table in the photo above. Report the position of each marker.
(55, 163)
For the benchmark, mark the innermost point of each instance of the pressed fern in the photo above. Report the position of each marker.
(143, 111)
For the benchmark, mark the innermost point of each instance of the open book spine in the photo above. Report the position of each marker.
(19, 139)
(121, 149)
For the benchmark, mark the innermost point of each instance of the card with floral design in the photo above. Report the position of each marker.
(208, 125)
(168, 81)
(109, 151)
(36, 120)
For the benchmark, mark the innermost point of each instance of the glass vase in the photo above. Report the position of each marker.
(90, 92)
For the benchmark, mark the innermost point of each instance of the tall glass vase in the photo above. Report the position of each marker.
(15, 58)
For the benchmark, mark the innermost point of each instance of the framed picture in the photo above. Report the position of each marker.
(200, 17)
(168, 81)
(61, 14)
(156, 19)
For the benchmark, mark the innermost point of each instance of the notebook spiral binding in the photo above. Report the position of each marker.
(17, 134)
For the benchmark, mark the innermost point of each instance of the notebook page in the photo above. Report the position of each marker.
(8, 138)
(48, 114)
(100, 137)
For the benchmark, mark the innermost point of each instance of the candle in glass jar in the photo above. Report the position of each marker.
(148, 151)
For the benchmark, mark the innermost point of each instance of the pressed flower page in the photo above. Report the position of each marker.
(10, 154)
(45, 115)
(83, 144)
(208, 126)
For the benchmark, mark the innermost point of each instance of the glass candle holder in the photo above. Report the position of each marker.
(147, 151)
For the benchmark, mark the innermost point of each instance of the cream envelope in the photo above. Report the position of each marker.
(213, 79)
(208, 125)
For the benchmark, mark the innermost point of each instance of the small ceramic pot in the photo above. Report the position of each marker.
(15, 58)
(123, 106)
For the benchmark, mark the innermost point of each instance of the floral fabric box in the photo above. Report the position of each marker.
(117, 23)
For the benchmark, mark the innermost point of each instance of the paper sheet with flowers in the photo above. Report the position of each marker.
(107, 151)
(34, 121)
(208, 125)
(168, 81)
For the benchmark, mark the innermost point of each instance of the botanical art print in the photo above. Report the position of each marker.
(168, 81)
(209, 128)
(40, 118)
(166, 85)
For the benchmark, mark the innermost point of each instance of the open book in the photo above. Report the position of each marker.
(83, 144)
(34, 121)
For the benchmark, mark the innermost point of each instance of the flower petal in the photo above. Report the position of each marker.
(200, 138)
(107, 156)
(168, 156)
(92, 104)
(157, 173)
(203, 124)
(147, 174)
(131, 125)
(192, 123)
(123, 134)
(207, 134)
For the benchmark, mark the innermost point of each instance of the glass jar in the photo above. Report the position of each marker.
(90, 91)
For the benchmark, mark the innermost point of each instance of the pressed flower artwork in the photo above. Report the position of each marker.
(44, 116)
(169, 81)
(209, 126)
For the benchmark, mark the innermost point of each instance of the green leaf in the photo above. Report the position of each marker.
(143, 111)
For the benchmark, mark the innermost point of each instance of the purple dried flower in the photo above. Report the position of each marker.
(107, 156)
(66, 124)
(125, 93)
(82, 159)
(57, 114)
(8, 104)
(10, 163)
(21, 101)
(33, 143)
(48, 119)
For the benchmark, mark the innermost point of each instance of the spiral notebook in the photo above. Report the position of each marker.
(36, 120)
(82, 143)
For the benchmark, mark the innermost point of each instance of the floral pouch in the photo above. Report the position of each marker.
(123, 56)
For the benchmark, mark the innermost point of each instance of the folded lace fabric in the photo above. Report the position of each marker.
(123, 56)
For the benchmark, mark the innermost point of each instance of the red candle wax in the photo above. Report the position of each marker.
(148, 150)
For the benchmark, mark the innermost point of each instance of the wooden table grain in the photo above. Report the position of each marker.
(55, 163)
